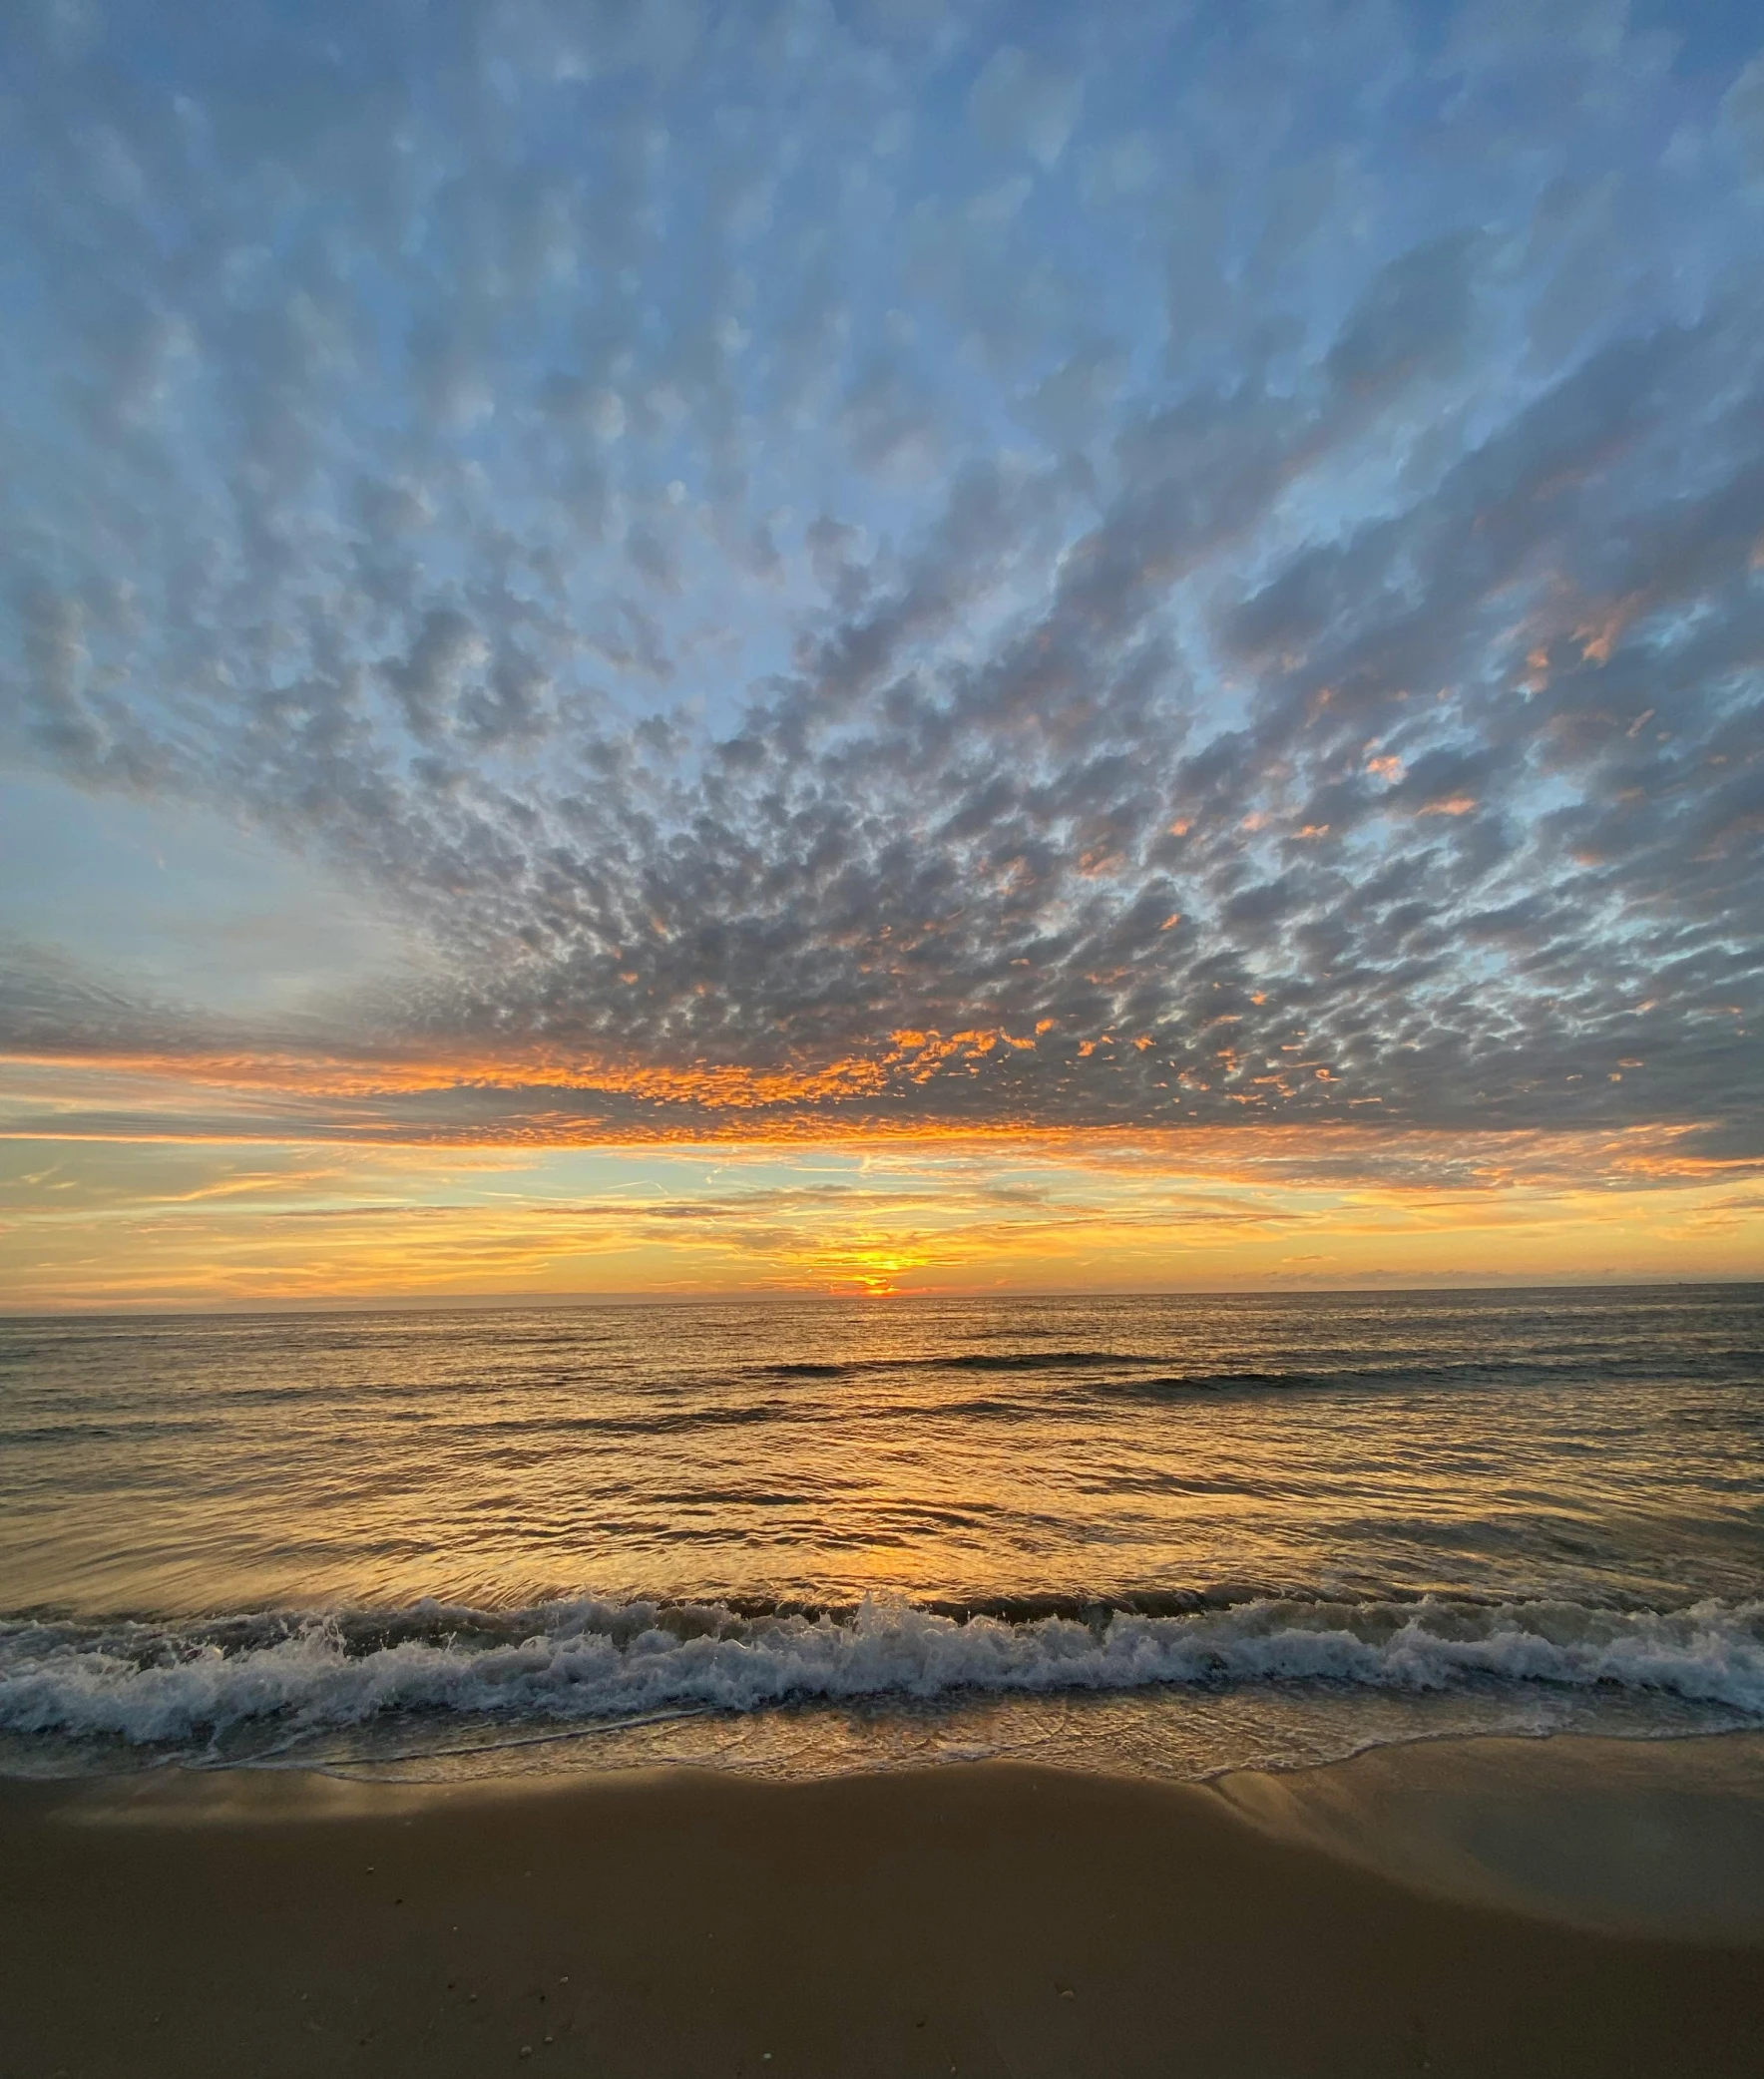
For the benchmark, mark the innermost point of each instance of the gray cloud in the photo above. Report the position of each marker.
(1222, 613)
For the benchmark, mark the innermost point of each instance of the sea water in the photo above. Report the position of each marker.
(1170, 1534)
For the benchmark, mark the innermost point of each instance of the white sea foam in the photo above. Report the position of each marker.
(580, 1661)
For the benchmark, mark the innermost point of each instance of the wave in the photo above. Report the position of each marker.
(178, 1687)
(1707, 1365)
(957, 1360)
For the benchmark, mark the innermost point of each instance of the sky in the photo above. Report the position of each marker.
(672, 647)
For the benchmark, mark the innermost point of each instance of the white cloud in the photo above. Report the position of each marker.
(1023, 103)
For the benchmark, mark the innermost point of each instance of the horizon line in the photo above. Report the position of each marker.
(803, 1296)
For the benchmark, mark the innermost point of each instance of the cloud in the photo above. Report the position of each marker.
(1020, 104)
(1146, 607)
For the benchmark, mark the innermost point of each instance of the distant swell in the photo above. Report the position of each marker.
(1030, 1360)
(179, 1687)
(1129, 1366)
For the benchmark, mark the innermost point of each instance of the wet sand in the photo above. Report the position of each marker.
(1486, 1908)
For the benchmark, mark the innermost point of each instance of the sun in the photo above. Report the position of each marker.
(870, 1269)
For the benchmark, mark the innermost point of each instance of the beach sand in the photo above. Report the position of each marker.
(1496, 1908)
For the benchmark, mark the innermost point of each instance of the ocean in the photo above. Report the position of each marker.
(1170, 1536)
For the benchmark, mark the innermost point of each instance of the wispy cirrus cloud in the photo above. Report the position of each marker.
(194, 1222)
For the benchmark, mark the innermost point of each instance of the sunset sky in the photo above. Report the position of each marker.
(655, 648)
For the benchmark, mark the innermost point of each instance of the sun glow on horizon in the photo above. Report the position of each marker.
(175, 1223)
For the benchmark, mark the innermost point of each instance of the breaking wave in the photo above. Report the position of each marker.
(183, 1686)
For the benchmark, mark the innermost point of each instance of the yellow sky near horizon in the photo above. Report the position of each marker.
(91, 1224)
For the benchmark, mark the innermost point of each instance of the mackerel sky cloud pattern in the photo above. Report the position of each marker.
(807, 565)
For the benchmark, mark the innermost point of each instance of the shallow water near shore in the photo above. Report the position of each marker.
(1171, 1536)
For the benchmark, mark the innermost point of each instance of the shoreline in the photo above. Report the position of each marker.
(1475, 1906)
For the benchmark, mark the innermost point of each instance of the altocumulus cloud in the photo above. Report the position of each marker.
(1076, 567)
